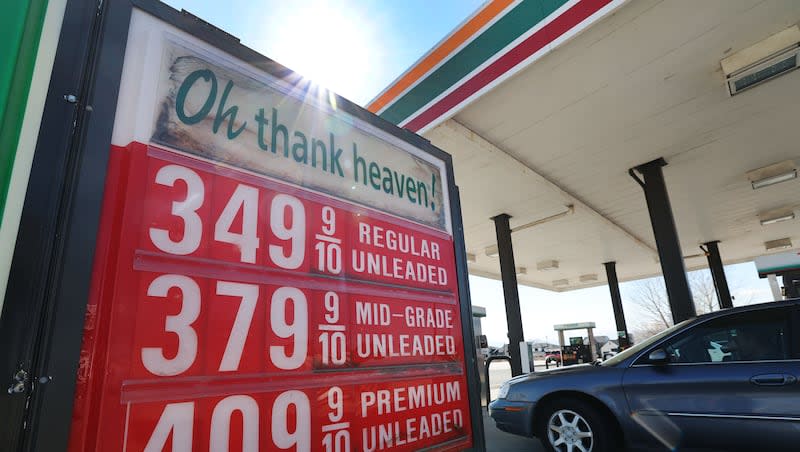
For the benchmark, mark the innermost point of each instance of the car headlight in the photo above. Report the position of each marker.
(504, 390)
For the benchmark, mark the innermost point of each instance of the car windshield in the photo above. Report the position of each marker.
(622, 356)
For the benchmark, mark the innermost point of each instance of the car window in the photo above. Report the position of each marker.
(747, 336)
(628, 352)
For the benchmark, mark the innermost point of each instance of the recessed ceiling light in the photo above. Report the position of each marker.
(591, 277)
(772, 180)
(491, 251)
(765, 60)
(776, 216)
(560, 282)
(547, 265)
(780, 244)
(471, 257)
(522, 271)
(772, 174)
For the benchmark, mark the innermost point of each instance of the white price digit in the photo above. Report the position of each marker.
(241, 326)
(296, 234)
(298, 328)
(221, 423)
(329, 257)
(328, 220)
(281, 436)
(332, 306)
(186, 210)
(178, 419)
(333, 347)
(181, 324)
(245, 198)
(340, 442)
(336, 404)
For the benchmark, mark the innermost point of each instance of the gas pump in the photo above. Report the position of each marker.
(791, 284)
(577, 352)
(781, 265)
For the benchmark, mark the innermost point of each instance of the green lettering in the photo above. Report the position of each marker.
(336, 166)
(422, 190)
(433, 191)
(359, 161)
(302, 145)
(276, 129)
(411, 189)
(400, 184)
(388, 187)
(318, 144)
(230, 113)
(262, 123)
(375, 175)
(183, 91)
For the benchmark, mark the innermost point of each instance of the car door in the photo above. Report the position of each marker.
(730, 382)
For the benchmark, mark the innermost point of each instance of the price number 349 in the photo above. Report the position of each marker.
(290, 248)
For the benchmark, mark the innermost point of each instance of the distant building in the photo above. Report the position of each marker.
(610, 346)
(542, 346)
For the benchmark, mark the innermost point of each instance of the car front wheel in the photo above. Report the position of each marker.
(572, 425)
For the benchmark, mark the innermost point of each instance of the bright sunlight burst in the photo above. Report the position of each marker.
(329, 44)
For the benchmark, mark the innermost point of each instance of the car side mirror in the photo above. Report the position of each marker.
(658, 356)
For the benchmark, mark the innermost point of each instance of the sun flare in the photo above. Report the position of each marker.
(328, 44)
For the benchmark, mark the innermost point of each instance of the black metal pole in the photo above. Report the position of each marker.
(508, 273)
(666, 234)
(791, 284)
(616, 302)
(718, 275)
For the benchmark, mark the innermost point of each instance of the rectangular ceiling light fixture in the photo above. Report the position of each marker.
(471, 257)
(547, 265)
(492, 251)
(522, 271)
(765, 60)
(780, 244)
(776, 216)
(560, 282)
(591, 277)
(772, 174)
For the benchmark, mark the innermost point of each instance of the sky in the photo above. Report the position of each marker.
(357, 48)
(541, 309)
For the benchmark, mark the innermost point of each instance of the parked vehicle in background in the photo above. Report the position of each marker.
(722, 381)
(552, 357)
(609, 355)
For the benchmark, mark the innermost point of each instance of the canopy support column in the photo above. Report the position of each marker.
(666, 234)
(718, 274)
(616, 303)
(508, 274)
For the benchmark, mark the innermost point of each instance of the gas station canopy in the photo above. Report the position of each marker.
(546, 128)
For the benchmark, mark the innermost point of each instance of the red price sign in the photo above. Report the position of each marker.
(399, 415)
(197, 209)
(246, 314)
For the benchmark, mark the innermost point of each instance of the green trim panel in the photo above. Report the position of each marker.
(20, 29)
(503, 32)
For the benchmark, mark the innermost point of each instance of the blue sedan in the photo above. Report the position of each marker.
(721, 381)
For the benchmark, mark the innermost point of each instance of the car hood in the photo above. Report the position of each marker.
(585, 378)
(581, 369)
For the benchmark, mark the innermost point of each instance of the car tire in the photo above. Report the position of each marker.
(578, 423)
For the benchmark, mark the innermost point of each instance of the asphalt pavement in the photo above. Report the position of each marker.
(498, 441)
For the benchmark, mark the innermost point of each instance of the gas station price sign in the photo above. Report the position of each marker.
(271, 273)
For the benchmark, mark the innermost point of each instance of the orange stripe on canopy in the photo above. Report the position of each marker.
(461, 35)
